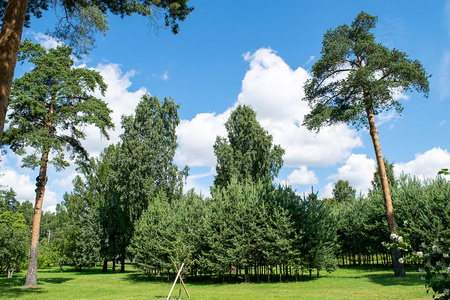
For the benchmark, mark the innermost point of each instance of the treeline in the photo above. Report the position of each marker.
(128, 204)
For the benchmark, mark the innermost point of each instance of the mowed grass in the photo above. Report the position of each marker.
(345, 283)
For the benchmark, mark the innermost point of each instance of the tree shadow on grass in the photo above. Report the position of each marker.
(14, 288)
(385, 275)
(214, 281)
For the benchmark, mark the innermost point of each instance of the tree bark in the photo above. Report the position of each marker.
(41, 181)
(105, 265)
(399, 268)
(10, 36)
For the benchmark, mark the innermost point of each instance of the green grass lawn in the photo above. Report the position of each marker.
(345, 283)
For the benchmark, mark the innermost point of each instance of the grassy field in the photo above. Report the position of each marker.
(345, 283)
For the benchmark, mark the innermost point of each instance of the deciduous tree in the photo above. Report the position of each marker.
(247, 152)
(356, 79)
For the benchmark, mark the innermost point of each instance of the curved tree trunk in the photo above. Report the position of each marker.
(10, 37)
(399, 268)
(41, 181)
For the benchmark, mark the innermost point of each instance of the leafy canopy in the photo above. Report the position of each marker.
(248, 152)
(80, 20)
(51, 104)
(355, 73)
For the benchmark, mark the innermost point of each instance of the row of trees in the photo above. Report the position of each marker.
(118, 189)
(248, 225)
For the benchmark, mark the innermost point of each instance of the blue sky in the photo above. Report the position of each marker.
(259, 53)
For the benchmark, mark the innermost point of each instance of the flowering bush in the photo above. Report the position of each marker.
(435, 262)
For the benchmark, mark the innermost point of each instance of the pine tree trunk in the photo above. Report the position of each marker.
(399, 268)
(41, 181)
(10, 37)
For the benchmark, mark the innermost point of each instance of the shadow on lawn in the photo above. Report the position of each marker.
(14, 288)
(385, 275)
(138, 277)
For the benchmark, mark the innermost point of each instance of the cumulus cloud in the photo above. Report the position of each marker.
(197, 137)
(358, 170)
(24, 184)
(425, 165)
(302, 176)
(45, 40)
(275, 91)
(120, 99)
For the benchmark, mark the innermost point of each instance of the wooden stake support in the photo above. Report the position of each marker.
(181, 282)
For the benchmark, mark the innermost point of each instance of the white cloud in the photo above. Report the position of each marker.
(327, 191)
(386, 116)
(24, 185)
(274, 91)
(358, 170)
(194, 182)
(164, 76)
(45, 40)
(426, 164)
(66, 182)
(119, 99)
(20, 183)
(197, 137)
(302, 177)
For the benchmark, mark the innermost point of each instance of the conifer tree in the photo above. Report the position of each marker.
(356, 79)
(50, 105)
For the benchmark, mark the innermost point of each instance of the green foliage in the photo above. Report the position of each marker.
(319, 243)
(81, 244)
(51, 104)
(165, 233)
(355, 73)
(248, 152)
(376, 182)
(236, 220)
(8, 200)
(145, 162)
(80, 21)
(434, 259)
(425, 206)
(14, 241)
(343, 192)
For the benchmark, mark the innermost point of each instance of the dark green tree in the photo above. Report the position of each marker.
(319, 240)
(247, 152)
(8, 200)
(14, 241)
(79, 21)
(376, 182)
(49, 107)
(356, 79)
(343, 191)
(167, 233)
(144, 166)
(236, 220)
